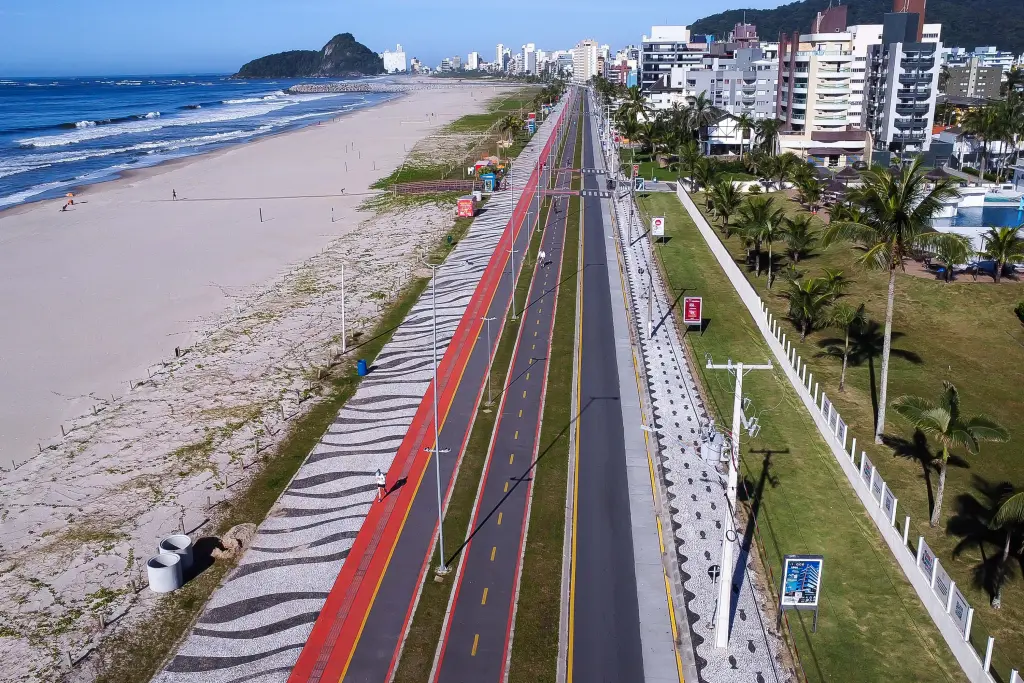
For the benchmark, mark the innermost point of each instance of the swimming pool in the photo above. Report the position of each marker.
(990, 215)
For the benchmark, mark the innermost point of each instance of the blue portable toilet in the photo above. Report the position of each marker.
(361, 368)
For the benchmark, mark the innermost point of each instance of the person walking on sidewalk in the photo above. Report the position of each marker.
(382, 485)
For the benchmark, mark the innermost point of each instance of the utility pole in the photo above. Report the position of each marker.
(723, 610)
(442, 568)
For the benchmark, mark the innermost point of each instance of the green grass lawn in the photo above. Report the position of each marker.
(652, 169)
(872, 626)
(965, 332)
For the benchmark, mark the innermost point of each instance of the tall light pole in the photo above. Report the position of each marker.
(442, 568)
(723, 610)
(344, 338)
(487, 322)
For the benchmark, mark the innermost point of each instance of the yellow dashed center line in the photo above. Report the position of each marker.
(534, 346)
(524, 393)
(520, 412)
(499, 519)
(494, 549)
(534, 334)
(527, 375)
(506, 487)
(516, 435)
(476, 641)
(511, 457)
(483, 600)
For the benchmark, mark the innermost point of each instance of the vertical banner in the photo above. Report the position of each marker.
(928, 560)
(889, 505)
(693, 307)
(840, 430)
(826, 406)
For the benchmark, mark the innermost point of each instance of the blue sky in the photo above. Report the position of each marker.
(64, 38)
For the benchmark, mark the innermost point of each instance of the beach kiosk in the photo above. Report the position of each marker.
(489, 180)
(466, 206)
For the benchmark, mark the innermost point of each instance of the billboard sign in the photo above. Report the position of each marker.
(889, 504)
(801, 581)
(943, 584)
(658, 226)
(927, 560)
(692, 310)
(638, 184)
(960, 612)
(876, 488)
(866, 468)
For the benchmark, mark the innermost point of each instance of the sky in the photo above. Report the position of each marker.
(115, 37)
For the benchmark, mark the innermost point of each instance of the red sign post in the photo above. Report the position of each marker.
(692, 309)
(636, 170)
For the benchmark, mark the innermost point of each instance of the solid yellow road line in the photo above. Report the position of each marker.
(483, 600)
(499, 519)
(476, 640)
(494, 549)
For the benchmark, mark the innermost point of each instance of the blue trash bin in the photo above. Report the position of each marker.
(361, 368)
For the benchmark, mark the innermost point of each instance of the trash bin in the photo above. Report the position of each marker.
(361, 368)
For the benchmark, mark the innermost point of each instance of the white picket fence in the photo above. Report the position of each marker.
(945, 604)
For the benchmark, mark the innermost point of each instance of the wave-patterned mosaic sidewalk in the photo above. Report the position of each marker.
(257, 622)
(696, 488)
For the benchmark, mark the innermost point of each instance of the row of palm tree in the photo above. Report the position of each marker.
(999, 121)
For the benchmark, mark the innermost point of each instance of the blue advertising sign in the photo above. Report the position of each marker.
(801, 581)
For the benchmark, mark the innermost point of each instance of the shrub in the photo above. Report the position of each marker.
(1019, 310)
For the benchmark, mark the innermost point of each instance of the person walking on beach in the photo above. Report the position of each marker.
(382, 485)
(174, 195)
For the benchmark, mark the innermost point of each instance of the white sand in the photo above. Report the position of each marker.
(99, 296)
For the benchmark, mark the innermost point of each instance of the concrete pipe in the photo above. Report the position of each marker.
(164, 571)
(179, 544)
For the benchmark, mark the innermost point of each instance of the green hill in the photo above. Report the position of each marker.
(965, 23)
(342, 56)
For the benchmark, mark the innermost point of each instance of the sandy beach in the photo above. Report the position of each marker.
(95, 301)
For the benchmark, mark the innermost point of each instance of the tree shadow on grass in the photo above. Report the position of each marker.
(971, 523)
(916, 448)
(866, 345)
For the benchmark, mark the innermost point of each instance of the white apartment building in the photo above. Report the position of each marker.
(992, 56)
(902, 85)
(864, 36)
(499, 57)
(667, 48)
(529, 52)
(394, 62)
(584, 61)
(473, 61)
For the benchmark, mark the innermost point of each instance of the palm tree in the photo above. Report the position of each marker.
(942, 420)
(725, 200)
(700, 114)
(630, 128)
(896, 211)
(809, 188)
(1003, 245)
(761, 221)
(848, 319)
(707, 172)
(1009, 516)
(800, 237)
(744, 124)
(689, 155)
(509, 126)
(836, 282)
(766, 133)
(634, 105)
(951, 252)
(808, 301)
(785, 165)
(983, 124)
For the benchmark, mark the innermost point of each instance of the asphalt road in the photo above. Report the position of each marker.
(477, 638)
(604, 633)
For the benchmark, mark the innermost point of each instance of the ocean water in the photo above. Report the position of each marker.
(59, 133)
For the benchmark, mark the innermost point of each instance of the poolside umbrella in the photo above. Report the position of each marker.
(848, 174)
(836, 187)
(937, 174)
(822, 172)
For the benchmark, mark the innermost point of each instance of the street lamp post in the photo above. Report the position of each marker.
(487, 322)
(442, 568)
(344, 337)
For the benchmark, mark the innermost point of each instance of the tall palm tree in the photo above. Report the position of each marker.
(800, 237)
(1009, 517)
(761, 221)
(1003, 245)
(785, 165)
(689, 155)
(630, 129)
(725, 200)
(707, 173)
(982, 123)
(848, 319)
(896, 209)
(509, 126)
(744, 124)
(766, 133)
(809, 188)
(701, 114)
(942, 420)
(808, 301)
(634, 105)
(952, 252)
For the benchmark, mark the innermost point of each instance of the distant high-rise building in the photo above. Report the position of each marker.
(743, 34)
(973, 79)
(584, 61)
(529, 52)
(499, 57)
(667, 48)
(473, 61)
(394, 62)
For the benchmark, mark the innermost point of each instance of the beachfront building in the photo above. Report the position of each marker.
(529, 54)
(584, 61)
(473, 61)
(991, 56)
(667, 48)
(902, 85)
(973, 79)
(394, 62)
(815, 85)
(743, 83)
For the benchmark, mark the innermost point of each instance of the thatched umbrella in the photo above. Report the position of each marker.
(822, 172)
(937, 174)
(836, 187)
(847, 174)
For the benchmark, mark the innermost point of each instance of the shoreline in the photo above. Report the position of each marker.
(149, 170)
